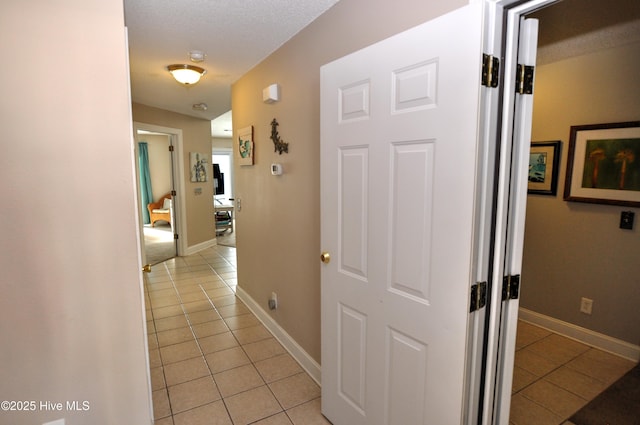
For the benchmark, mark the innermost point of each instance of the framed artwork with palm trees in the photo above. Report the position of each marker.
(603, 164)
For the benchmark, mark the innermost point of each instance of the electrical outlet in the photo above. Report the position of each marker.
(273, 301)
(626, 220)
(586, 305)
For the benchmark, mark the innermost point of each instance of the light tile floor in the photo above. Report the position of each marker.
(212, 361)
(555, 376)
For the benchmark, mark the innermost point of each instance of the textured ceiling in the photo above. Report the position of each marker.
(572, 18)
(235, 35)
(576, 27)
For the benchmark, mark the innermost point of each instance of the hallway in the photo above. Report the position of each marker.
(212, 361)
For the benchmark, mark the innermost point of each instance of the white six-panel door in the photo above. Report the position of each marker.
(399, 140)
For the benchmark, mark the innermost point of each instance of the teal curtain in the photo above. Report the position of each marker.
(145, 180)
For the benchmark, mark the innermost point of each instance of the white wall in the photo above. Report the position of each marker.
(71, 307)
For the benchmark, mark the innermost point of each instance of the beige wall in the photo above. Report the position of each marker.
(159, 163)
(222, 144)
(278, 229)
(575, 250)
(196, 137)
(71, 306)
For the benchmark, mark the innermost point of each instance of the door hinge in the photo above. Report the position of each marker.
(478, 296)
(170, 148)
(524, 79)
(173, 193)
(490, 70)
(175, 236)
(511, 287)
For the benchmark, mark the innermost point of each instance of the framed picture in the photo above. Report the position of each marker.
(245, 146)
(603, 166)
(199, 168)
(544, 160)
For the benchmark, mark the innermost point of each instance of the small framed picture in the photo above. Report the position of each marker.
(603, 166)
(199, 168)
(245, 146)
(544, 161)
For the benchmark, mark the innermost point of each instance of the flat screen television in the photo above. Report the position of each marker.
(218, 180)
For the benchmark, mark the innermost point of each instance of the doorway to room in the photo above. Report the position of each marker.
(579, 80)
(564, 106)
(556, 226)
(156, 186)
(159, 189)
(222, 160)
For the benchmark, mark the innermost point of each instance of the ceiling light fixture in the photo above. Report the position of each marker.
(200, 107)
(186, 74)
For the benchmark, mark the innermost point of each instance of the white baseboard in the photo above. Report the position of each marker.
(199, 247)
(586, 336)
(306, 361)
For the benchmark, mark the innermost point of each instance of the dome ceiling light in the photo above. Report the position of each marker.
(186, 74)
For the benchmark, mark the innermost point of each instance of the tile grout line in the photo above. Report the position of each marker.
(567, 364)
(164, 378)
(173, 279)
(196, 339)
(185, 314)
(252, 363)
(543, 378)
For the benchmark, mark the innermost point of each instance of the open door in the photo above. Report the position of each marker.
(155, 161)
(423, 191)
(514, 39)
(514, 174)
(161, 242)
(400, 160)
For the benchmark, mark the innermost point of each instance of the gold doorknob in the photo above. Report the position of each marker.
(146, 268)
(325, 257)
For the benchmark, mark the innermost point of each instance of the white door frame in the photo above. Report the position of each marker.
(180, 212)
(501, 39)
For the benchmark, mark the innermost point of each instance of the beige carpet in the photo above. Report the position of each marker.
(159, 244)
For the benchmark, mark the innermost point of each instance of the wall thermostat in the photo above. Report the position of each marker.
(276, 169)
